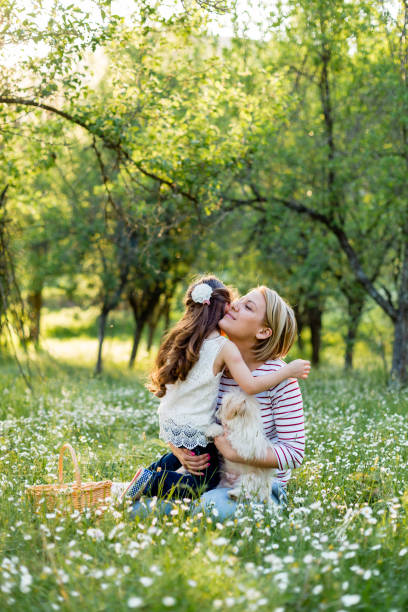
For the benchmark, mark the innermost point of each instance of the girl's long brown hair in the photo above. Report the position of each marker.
(180, 348)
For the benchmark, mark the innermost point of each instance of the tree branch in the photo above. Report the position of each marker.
(343, 240)
(352, 256)
(109, 143)
(105, 179)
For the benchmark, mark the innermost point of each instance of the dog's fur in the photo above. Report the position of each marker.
(241, 420)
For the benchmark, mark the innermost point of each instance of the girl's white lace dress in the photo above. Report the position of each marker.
(188, 407)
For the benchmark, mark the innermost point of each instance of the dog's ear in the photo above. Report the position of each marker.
(235, 407)
(225, 407)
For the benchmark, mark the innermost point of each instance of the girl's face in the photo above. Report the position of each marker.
(244, 318)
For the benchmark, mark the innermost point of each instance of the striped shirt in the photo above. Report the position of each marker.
(282, 417)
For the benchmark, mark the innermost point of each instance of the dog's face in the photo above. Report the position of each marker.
(232, 407)
(236, 406)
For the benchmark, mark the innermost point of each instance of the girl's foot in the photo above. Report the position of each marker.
(137, 485)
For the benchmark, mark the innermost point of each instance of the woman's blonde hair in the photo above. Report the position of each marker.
(280, 317)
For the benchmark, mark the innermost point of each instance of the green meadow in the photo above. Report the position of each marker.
(341, 544)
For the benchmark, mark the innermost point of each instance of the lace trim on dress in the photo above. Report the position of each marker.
(182, 435)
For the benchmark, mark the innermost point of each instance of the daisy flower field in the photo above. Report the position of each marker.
(342, 543)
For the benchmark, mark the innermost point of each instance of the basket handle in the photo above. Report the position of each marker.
(63, 448)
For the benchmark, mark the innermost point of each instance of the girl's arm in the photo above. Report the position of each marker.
(255, 384)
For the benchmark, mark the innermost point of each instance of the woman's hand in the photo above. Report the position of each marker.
(191, 462)
(224, 447)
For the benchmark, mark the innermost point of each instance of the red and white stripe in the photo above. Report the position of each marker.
(282, 416)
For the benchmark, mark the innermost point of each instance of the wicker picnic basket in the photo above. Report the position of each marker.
(77, 495)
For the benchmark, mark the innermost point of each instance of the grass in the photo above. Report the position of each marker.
(341, 544)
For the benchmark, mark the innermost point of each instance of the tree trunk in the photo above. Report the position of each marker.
(142, 309)
(300, 325)
(314, 316)
(167, 316)
(151, 329)
(157, 314)
(110, 301)
(399, 371)
(103, 318)
(350, 343)
(355, 305)
(35, 301)
(139, 325)
(4, 280)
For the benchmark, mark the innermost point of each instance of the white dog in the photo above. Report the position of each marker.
(242, 423)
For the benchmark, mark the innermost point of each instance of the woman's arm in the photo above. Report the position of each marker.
(224, 447)
(287, 410)
(255, 384)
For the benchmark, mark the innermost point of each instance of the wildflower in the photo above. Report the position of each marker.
(282, 580)
(135, 602)
(329, 554)
(95, 534)
(220, 541)
(96, 573)
(212, 557)
(26, 580)
(275, 561)
(146, 581)
(350, 600)
(253, 594)
(168, 601)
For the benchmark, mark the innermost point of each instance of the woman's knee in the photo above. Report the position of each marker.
(216, 503)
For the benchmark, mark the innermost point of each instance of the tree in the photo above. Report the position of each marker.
(154, 127)
(323, 161)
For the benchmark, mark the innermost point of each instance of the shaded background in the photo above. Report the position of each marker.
(147, 142)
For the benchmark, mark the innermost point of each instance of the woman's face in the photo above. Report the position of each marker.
(244, 318)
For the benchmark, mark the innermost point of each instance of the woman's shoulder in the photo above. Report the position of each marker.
(289, 386)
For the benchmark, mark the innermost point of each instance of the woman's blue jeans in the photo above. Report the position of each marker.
(225, 507)
(166, 480)
(216, 499)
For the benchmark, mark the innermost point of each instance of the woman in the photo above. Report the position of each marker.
(263, 327)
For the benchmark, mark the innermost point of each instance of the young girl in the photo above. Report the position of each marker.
(189, 366)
